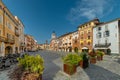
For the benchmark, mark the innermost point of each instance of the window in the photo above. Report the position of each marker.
(75, 41)
(88, 43)
(0, 7)
(9, 25)
(88, 31)
(82, 33)
(107, 33)
(98, 35)
(70, 37)
(88, 37)
(99, 28)
(8, 35)
(81, 44)
(1, 19)
(69, 43)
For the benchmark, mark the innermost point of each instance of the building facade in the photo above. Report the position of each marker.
(86, 35)
(21, 35)
(53, 42)
(65, 42)
(107, 37)
(9, 32)
(75, 41)
(30, 43)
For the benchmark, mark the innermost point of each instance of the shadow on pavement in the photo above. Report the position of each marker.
(98, 73)
(50, 68)
(118, 60)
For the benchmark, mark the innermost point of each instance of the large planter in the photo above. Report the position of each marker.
(85, 63)
(99, 58)
(81, 63)
(93, 60)
(69, 69)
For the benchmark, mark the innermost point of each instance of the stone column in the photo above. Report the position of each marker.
(13, 48)
(2, 49)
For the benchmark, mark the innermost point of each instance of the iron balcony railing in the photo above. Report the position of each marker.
(10, 40)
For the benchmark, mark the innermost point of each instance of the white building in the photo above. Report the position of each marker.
(107, 36)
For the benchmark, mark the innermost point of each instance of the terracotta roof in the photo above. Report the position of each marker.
(117, 19)
(96, 19)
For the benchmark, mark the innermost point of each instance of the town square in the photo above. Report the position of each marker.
(59, 40)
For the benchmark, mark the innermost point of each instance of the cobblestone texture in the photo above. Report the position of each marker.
(108, 69)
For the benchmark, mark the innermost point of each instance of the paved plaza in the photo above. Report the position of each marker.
(108, 69)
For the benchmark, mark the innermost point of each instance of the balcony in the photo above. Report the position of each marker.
(17, 32)
(9, 40)
(102, 45)
(22, 44)
(2, 39)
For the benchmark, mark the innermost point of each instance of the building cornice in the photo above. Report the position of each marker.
(117, 19)
(96, 19)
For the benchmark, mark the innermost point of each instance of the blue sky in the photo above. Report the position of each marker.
(42, 17)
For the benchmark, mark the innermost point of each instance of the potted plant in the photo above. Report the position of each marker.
(81, 62)
(70, 63)
(30, 68)
(99, 55)
(92, 56)
(84, 59)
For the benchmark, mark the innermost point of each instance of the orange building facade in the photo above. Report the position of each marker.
(86, 35)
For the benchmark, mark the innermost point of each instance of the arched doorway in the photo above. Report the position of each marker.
(76, 49)
(8, 50)
(70, 49)
(16, 49)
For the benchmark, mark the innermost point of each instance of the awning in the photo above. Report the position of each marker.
(101, 48)
(84, 48)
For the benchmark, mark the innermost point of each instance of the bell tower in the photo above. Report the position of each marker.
(53, 36)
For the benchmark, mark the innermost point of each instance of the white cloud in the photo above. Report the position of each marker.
(90, 9)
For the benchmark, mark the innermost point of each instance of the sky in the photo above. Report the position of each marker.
(42, 17)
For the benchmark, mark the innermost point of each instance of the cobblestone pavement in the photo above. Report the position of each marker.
(108, 69)
(50, 67)
(4, 73)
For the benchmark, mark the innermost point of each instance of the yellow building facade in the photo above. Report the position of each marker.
(86, 35)
(9, 32)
